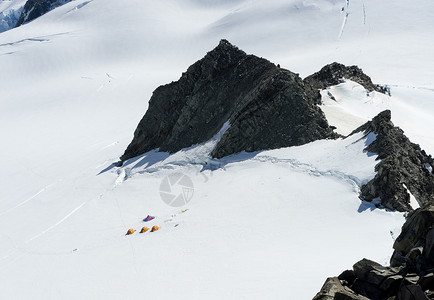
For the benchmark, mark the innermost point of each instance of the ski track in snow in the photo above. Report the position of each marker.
(344, 22)
(34, 39)
(79, 6)
(410, 87)
(27, 200)
(58, 223)
(25, 40)
(364, 14)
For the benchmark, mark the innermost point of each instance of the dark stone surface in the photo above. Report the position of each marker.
(333, 289)
(267, 107)
(416, 233)
(427, 282)
(411, 292)
(402, 163)
(347, 276)
(35, 8)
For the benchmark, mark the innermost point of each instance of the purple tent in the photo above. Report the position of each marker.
(148, 218)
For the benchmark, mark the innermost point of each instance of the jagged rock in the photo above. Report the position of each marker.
(364, 266)
(35, 8)
(430, 295)
(267, 108)
(402, 166)
(347, 277)
(411, 292)
(336, 73)
(416, 232)
(427, 282)
(334, 290)
(411, 278)
(391, 283)
(429, 246)
(367, 289)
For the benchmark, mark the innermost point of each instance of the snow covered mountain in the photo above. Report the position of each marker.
(14, 13)
(10, 12)
(74, 85)
(33, 9)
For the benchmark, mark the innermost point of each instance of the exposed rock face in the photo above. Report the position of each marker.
(334, 74)
(403, 166)
(334, 289)
(415, 245)
(35, 8)
(410, 276)
(267, 108)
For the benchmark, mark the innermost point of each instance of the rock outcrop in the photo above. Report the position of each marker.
(267, 107)
(335, 73)
(35, 8)
(404, 167)
(410, 275)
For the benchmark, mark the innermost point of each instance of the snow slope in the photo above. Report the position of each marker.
(75, 83)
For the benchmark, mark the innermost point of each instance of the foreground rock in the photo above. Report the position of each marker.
(410, 275)
(404, 167)
(267, 108)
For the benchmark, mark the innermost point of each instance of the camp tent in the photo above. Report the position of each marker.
(130, 231)
(148, 218)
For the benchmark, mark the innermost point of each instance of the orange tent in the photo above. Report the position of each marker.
(155, 228)
(130, 231)
(144, 229)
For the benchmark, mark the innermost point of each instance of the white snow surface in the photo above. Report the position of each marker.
(74, 85)
(413, 201)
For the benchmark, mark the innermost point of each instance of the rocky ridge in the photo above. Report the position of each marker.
(404, 167)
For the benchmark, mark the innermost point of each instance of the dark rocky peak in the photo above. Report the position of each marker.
(35, 8)
(335, 73)
(404, 167)
(267, 107)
